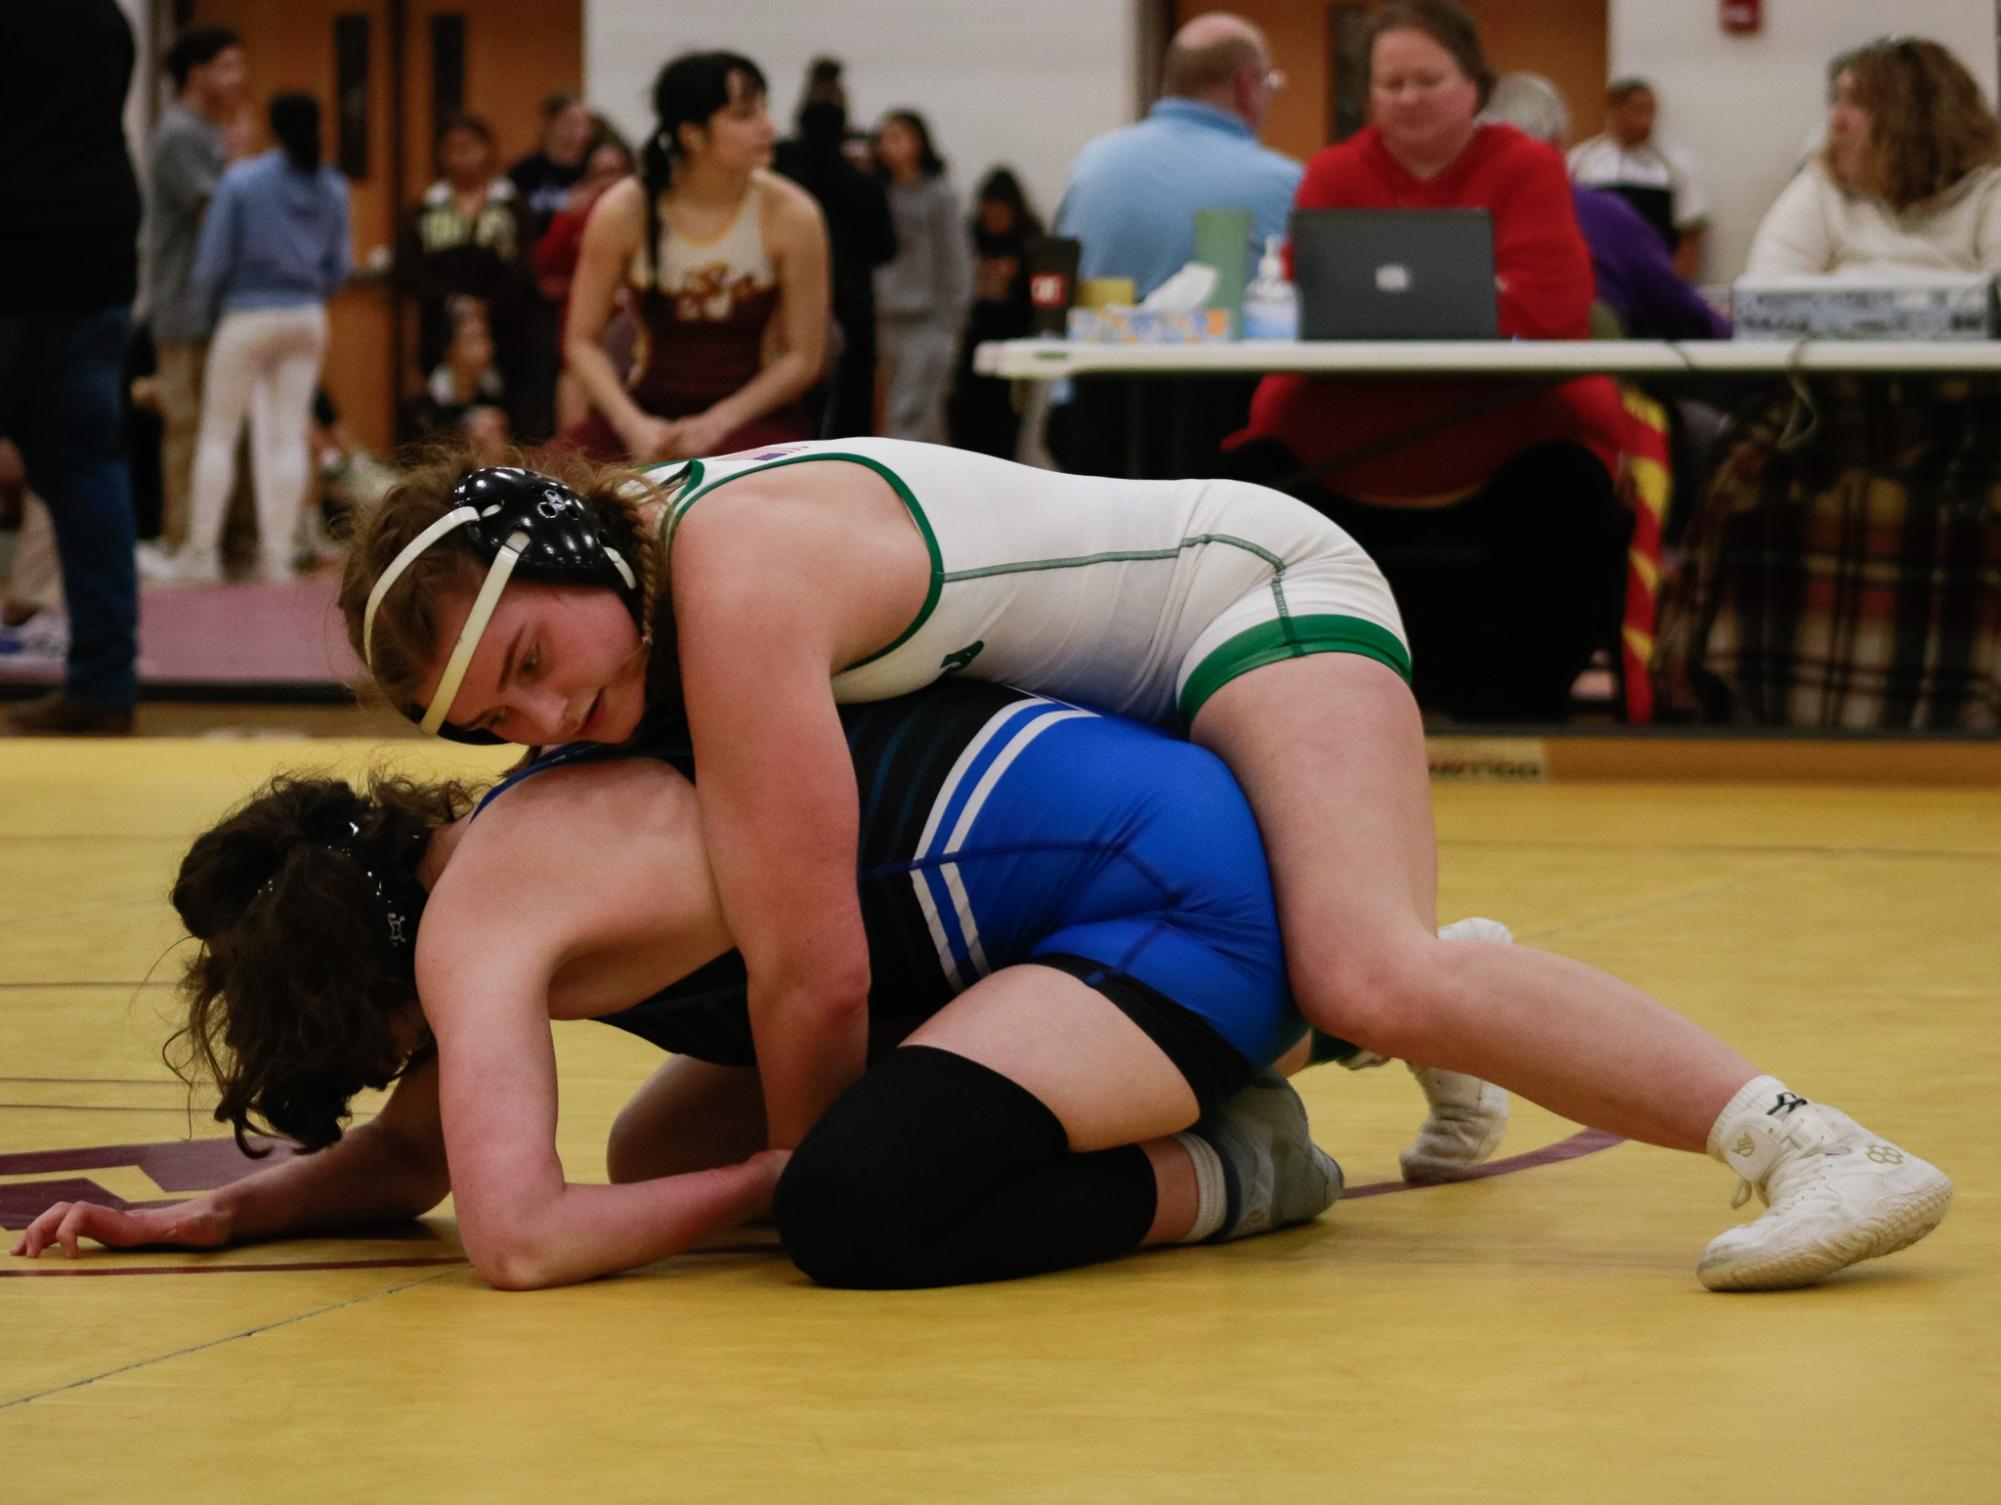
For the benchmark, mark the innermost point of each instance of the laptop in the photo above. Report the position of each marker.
(1394, 274)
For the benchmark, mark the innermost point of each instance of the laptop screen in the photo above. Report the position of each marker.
(1394, 274)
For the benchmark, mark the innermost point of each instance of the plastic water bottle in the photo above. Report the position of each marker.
(1271, 304)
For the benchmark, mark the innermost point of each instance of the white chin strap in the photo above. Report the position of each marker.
(475, 624)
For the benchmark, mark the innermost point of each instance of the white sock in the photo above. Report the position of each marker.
(1749, 1134)
(1762, 1096)
(1211, 1191)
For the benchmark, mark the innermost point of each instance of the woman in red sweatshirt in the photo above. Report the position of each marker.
(1496, 522)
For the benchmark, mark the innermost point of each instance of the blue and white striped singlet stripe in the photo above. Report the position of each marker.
(941, 892)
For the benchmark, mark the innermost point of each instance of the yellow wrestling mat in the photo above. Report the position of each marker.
(1537, 1336)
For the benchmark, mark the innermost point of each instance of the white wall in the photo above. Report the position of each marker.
(1025, 82)
(1746, 106)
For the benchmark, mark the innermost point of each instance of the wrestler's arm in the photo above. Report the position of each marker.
(612, 235)
(387, 1170)
(780, 811)
(593, 875)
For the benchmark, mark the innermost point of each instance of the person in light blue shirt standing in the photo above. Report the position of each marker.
(273, 250)
(1132, 201)
(1134, 193)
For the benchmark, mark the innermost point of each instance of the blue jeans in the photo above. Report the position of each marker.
(60, 402)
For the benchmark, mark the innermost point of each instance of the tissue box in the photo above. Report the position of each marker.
(1939, 307)
(1126, 325)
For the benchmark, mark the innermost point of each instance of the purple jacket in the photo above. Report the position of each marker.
(1636, 280)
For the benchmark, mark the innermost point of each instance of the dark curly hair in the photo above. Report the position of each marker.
(294, 992)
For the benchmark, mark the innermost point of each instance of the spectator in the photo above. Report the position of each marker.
(465, 241)
(1132, 200)
(68, 271)
(543, 181)
(1133, 194)
(544, 178)
(464, 400)
(609, 161)
(1654, 176)
(860, 234)
(922, 292)
(730, 263)
(185, 161)
(1909, 179)
(1489, 506)
(1636, 280)
(982, 410)
(1840, 570)
(274, 249)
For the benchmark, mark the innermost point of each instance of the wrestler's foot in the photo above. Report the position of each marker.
(1273, 1172)
(1468, 1116)
(1838, 1195)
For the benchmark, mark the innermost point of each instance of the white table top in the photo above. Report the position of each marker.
(1052, 360)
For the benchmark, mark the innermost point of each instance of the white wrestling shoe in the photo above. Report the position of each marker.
(1838, 1195)
(1468, 1116)
(1273, 1172)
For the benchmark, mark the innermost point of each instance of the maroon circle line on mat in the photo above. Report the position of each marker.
(1584, 1142)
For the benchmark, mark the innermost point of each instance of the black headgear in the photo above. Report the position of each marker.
(522, 523)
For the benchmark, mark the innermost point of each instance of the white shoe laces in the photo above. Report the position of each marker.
(1801, 1177)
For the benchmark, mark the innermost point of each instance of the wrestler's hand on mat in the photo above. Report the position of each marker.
(651, 438)
(703, 434)
(186, 1225)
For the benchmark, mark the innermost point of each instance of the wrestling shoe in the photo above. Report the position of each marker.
(1468, 1116)
(1273, 1173)
(1838, 1195)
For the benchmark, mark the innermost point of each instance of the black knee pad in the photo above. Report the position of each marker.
(922, 1138)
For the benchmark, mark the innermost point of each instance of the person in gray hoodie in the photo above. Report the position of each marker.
(273, 250)
(921, 296)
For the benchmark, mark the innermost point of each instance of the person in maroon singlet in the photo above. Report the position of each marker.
(728, 267)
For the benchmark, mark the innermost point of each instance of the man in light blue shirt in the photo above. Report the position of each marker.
(1132, 202)
(1134, 193)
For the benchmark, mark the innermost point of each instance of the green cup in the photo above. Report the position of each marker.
(1223, 241)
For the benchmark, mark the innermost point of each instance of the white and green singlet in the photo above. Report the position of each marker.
(1140, 597)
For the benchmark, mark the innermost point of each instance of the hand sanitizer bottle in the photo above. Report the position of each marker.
(1271, 304)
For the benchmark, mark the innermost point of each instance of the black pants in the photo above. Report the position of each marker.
(1506, 595)
(61, 395)
(848, 410)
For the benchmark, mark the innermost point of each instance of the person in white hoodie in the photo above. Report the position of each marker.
(1826, 579)
(274, 248)
(1909, 180)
